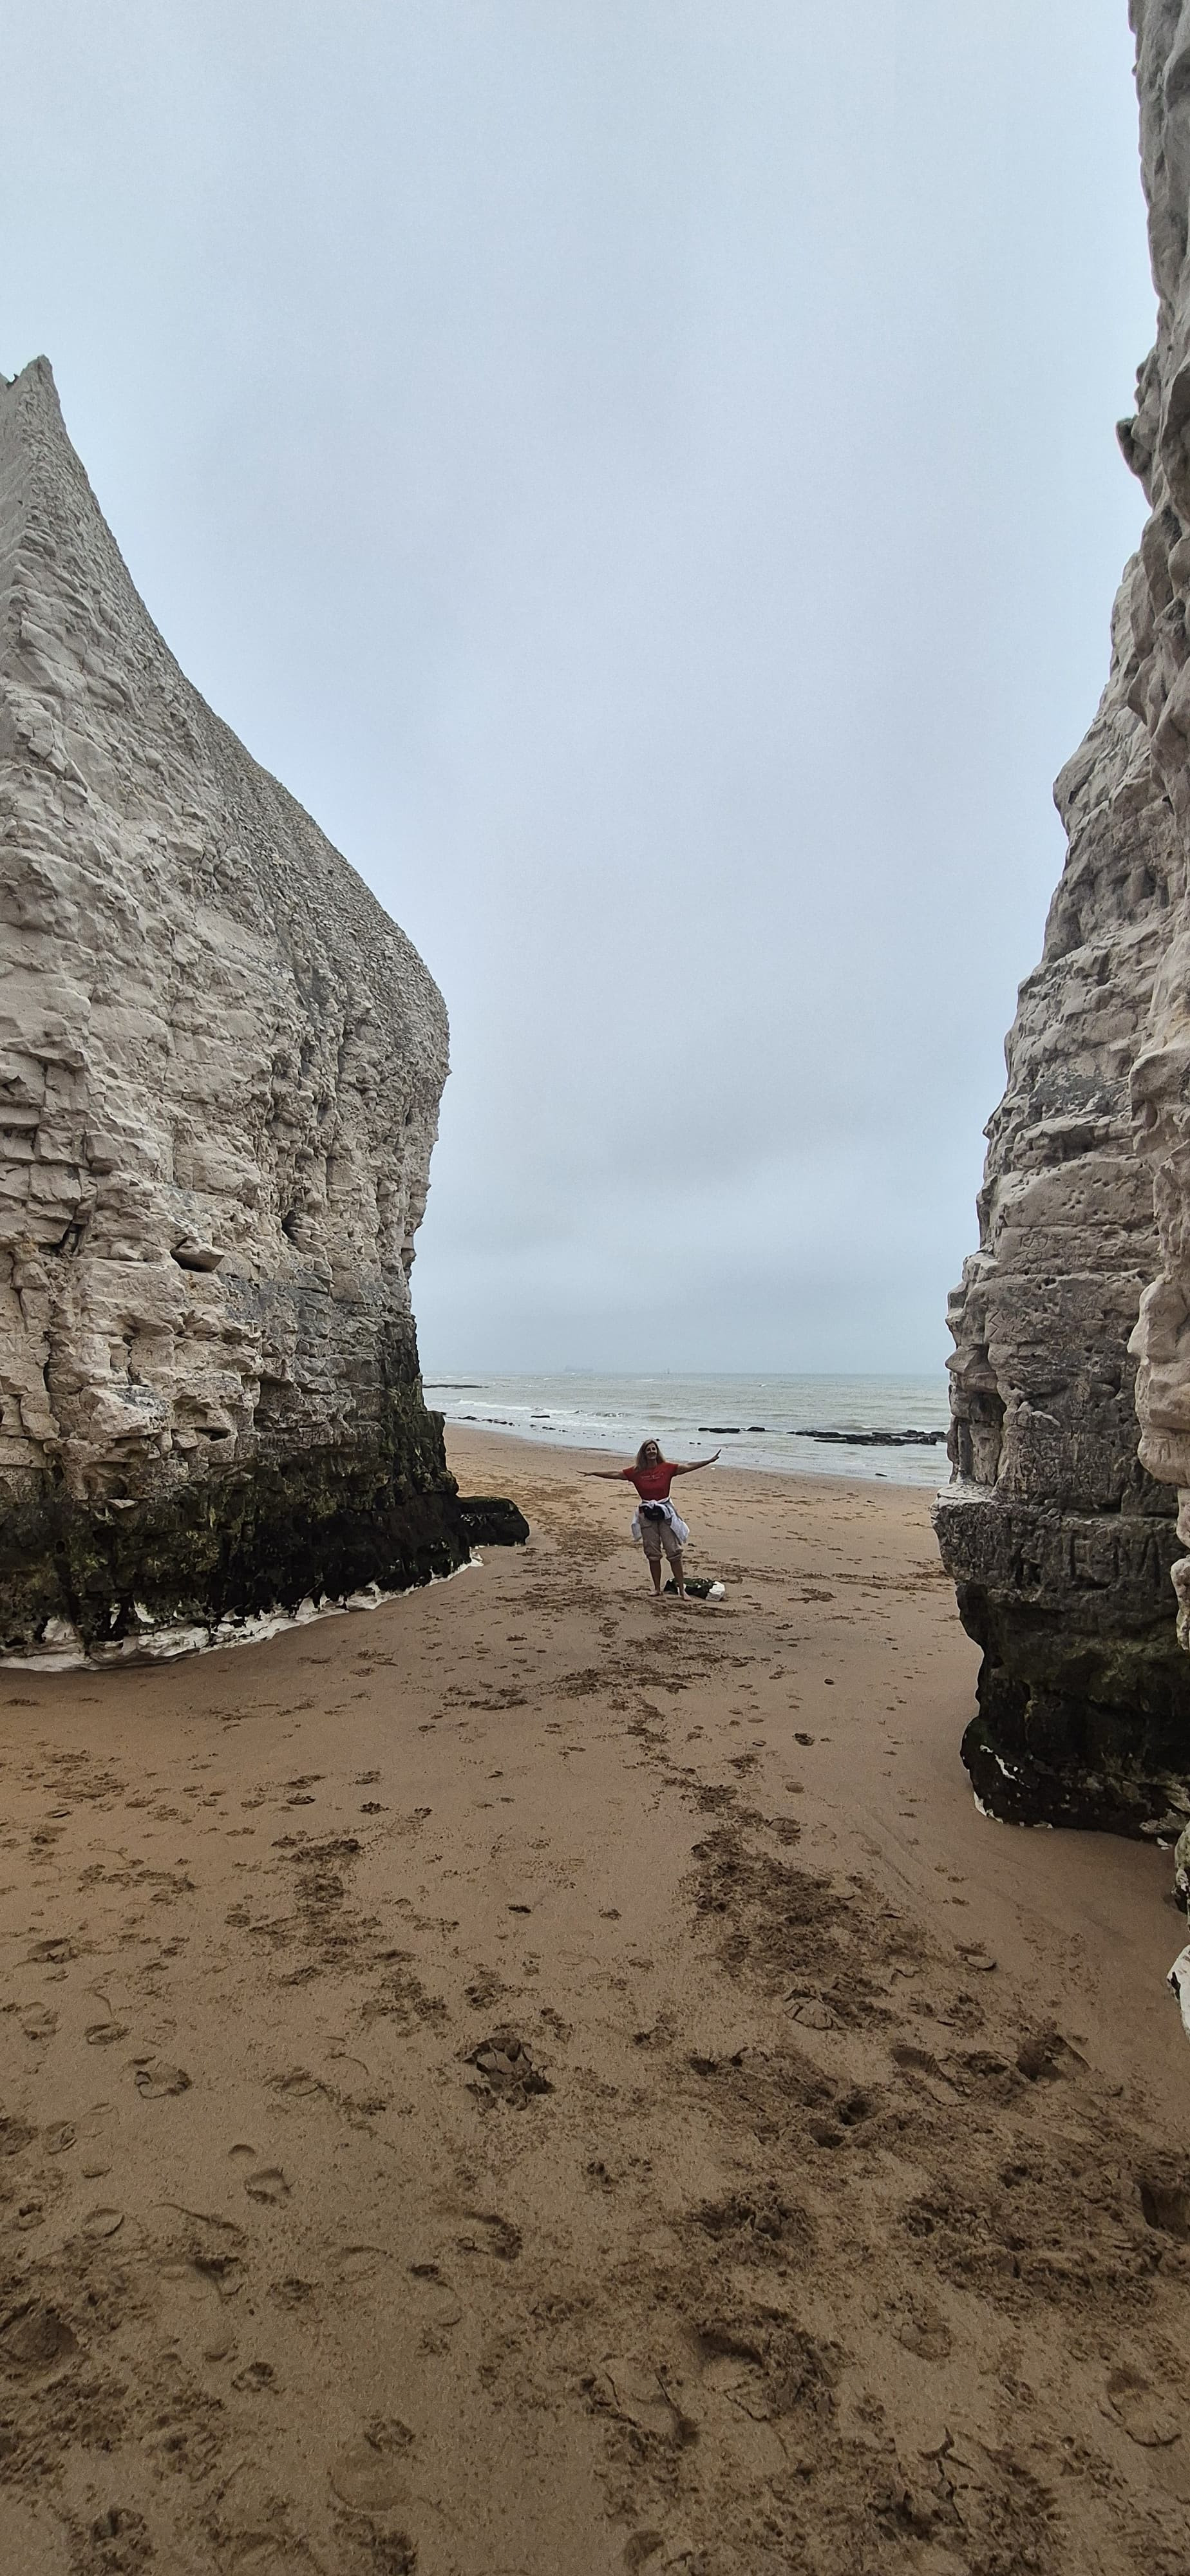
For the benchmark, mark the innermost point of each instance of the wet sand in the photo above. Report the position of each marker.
(823, 2202)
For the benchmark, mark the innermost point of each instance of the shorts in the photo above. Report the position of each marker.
(655, 1535)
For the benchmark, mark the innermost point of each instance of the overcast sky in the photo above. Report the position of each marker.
(642, 472)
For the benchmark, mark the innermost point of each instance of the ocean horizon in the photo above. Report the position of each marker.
(758, 1419)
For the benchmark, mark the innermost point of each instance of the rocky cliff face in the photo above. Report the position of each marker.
(220, 1068)
(1060, 1537)
(1157, 444)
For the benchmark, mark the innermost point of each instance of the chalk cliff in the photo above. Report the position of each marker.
(220, 1068)
(1157, 443)
(1060, 1536)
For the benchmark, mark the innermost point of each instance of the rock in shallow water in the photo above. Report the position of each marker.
(220, 1068)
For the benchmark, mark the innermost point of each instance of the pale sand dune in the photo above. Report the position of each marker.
(830, 2247)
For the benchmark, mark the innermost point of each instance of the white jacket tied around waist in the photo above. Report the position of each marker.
(677, 1525)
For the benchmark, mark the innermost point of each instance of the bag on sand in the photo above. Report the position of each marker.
(701, 1587)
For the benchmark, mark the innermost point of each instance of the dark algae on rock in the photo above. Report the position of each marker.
(235, 1540)
(1084, 1706)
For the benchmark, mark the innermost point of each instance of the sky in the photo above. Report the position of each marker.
(642, 472)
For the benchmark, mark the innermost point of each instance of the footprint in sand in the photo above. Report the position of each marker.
(924, 2331)
(1146, 2416)
(193, 2292)
(292, 2292)
(1165, 2205)
(102, 2034)
(268, 2184)
(38, 2022)
(1044, 2056)
(261, 2553)
(813, 2012)
(368, 2476)
(359, 2262)
(639, 2398)
(102, 2222)
(156, 2079)
(186, 2283)
(488, 2233)
(432, 2299)
(37, 2338)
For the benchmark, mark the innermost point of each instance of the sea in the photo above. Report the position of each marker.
(768, 1422)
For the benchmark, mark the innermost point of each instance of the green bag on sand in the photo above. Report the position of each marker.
(700, 1586)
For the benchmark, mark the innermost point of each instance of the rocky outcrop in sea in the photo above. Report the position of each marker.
(1058, 1529)
(220, 1069)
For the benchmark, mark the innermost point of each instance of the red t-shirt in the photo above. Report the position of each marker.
(652, 1483)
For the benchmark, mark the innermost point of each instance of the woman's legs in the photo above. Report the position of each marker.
(650, 1539)
(672, 1557)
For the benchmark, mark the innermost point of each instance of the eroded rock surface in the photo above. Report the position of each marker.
(1157, 443)
(220, 1068)
(1060, 1537)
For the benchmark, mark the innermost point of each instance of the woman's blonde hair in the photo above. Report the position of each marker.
(650, 1444)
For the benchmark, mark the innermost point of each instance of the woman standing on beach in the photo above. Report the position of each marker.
(655, 1522)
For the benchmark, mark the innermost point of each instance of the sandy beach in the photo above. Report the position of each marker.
(528, 2080)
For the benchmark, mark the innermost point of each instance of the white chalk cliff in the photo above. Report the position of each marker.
(1059, 1525)
(220, 1069)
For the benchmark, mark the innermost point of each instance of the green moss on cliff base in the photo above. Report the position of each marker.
(245, 1538)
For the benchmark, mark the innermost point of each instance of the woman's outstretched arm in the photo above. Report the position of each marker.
(610, 1475)
(693, 1464)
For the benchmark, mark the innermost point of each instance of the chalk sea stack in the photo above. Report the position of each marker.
(1059, 1532)
(220, 1069)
